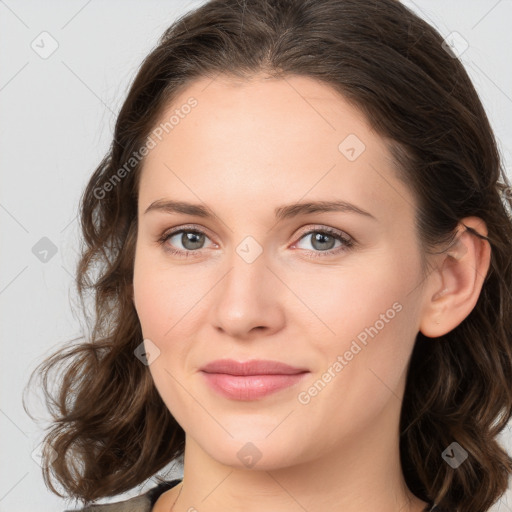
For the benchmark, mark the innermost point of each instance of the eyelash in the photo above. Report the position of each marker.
(348, 243)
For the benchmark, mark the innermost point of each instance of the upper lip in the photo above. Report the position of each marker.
(253, 367)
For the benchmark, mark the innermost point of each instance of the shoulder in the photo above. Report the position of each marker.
(141, 503)
(136, 504)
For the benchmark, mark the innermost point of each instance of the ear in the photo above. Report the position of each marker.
(455, 285)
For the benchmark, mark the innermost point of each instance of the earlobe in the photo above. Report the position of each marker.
(462, 271)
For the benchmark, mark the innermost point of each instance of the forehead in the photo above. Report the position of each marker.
(271, 140)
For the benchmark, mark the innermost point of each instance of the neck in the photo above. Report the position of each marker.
(361, 473)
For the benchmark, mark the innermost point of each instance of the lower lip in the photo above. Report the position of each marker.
(250, 387)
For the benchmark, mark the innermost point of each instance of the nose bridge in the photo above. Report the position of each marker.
(248, 277)
(247, 297)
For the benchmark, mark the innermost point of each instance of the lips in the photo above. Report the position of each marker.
(254, 367)
(250, 380)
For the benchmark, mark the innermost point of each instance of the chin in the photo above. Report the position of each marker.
(252, 452)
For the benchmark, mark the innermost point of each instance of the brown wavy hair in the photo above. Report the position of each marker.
(110, 428)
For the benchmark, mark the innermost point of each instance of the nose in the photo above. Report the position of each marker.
(249, 299)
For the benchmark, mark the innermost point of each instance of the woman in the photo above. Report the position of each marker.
(301, 265)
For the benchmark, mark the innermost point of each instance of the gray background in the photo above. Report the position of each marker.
(57, 118)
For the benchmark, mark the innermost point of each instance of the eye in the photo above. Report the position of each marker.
(192, 240)
(323, 241)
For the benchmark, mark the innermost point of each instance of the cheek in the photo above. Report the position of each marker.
(162, 310)
(150, 303)
(349, 302)
(162, 297)
(371, 320)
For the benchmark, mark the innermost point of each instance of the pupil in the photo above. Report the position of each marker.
(194, 238)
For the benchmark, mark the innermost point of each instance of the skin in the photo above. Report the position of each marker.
(245, 149)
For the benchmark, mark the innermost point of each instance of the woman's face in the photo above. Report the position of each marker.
(263, 279)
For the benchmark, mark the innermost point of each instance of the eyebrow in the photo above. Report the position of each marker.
(280, 213)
